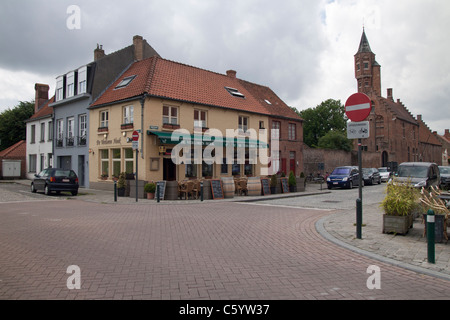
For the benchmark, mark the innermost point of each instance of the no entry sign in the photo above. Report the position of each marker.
(135, 136)
(357, 107)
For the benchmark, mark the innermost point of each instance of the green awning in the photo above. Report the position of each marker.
(166, 138)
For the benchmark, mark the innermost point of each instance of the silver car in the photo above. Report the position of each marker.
(420, 174)
(384, 173)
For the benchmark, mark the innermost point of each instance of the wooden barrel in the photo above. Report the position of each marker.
(228, 187)
(171, 190)
(254, 186)
(207, 195)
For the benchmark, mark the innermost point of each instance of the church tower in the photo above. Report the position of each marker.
(367, 69)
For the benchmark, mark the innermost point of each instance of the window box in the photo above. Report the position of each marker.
(70, 142)
(171, 126)
(59, 143)
(82, 141)
(126, 126)
(102, 129)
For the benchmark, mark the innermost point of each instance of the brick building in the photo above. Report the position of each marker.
(395, 135)
(445, 140)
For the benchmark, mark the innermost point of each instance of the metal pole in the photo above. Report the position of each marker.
(115, 191)
(201, 191)
(359, 200)
(137, 180)
(431, 236)
(157, 192)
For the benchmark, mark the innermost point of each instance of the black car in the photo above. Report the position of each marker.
(445, 176)
(54, 179)
(371, 176)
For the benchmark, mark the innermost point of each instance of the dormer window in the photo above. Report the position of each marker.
(234, 92)
(60, 88)
(82, 80)
(70, 90)
(125, 82)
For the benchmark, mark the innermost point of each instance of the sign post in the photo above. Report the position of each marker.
(135, 146)
(357, 109)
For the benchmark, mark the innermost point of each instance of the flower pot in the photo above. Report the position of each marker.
(397, 224)
(273, 190)
(292, 188)
(150, 196)
(121, 192)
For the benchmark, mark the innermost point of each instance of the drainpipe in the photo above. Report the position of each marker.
(142, 124)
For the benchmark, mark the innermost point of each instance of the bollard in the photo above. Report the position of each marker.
(157, 192)
(115, 191)
(358, 218)
(201, 191)
(430, 236)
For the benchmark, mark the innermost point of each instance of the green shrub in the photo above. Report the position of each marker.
(291, 180)
(150, 187)
(401, 199)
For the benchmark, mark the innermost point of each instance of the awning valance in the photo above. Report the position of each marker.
(205, 140)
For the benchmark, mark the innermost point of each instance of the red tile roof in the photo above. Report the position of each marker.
(44, 111)
(172, 80)
(18, 150)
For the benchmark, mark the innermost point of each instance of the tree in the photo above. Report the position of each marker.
(12, 124)
(318, 121)
(335, 140)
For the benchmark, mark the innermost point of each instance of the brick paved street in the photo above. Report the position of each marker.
(213, 250)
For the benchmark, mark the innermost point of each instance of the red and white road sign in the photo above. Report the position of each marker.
(357, 107)
(135, 136)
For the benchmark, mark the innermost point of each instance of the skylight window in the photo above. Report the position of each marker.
(235, 92)
(125, 82)
(267, 101)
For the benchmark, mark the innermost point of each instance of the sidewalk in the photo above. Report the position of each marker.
(409, 251)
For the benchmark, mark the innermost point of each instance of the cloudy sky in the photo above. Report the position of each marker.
(302, 49)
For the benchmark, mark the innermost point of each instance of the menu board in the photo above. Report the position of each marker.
(284, 185)
(265, 186)
(216, 189)
(162, 189)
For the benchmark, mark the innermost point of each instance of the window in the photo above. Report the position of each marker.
(70, 90)
(292, 131)
(33, 134)
(125, 82)
(129, 164)
(170, 115)
(59, 132)
(235, 92)
(82, 80)
(224, 166)
(104, 115)
(207, 169)
(104, 159)
(42, 162)
(276, 129)
(243, 123)
(50, 131)
(116, 162)
(32, 163)
(70, 131)
(358, 67)
(42, 132)
(59, 88)
(366, 65)
(128, 115)
(82, 129)
(200, 119)
(261, 125)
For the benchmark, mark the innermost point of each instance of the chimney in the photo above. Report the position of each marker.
(138, 44)
(41, 95)
(389, 94)
(99, 52)
(447, 134)
(231, 74)
(419, 117)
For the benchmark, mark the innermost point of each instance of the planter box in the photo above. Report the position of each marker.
(440, 228)
(397, 224)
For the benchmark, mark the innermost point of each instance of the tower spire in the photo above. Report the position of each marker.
(364, 43)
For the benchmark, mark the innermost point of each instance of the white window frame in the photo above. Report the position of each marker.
(70, 84)
(82, 125)
(60, 130)
(292, 131)
(82, 80)
(60, 88)
(104, 118)
(243, 123)
(42, 133)
(198, 122)
(170, 119)
(128, 115)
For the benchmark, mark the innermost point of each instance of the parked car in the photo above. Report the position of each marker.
(420, 174)
(54, 179)
(384, 173)
(445, 176)
(346, 176)
(371, 176)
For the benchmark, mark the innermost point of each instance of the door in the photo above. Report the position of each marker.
(65, 162)
(169, 170)
(81, 170)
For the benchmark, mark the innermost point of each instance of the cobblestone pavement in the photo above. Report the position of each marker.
(211, 250)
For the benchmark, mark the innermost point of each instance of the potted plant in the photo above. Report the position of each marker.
(150, 189)
(399, 204)
(301, 182)
(292, 182)
(431, 200)
(273, 184)
(121, 185)
(104, 176)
